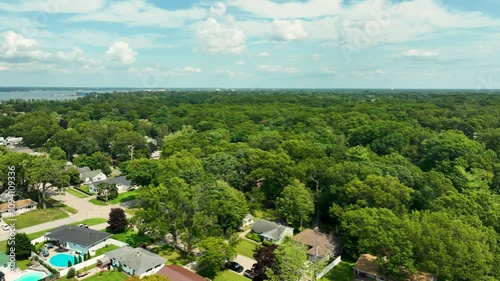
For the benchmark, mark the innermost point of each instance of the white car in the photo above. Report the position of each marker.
(5, 227)
(83, 225)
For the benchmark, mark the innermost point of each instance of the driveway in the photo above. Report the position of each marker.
(86, 210)
(246, 262)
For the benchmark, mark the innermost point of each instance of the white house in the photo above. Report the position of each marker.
(93, 176)
(247, 220)
(121, 182)
(271, 231)
(13, 141)
(136, 261)
(20, 207)
(79, 239)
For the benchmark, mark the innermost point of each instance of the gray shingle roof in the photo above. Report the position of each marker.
(91, 174)
(248, 217)
(118, 180)
(138, 259)
(84, 169)
(275, 234)
(261, 226)
(78, 235)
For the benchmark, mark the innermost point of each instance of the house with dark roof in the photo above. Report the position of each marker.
(136, 261)
(368, 267)
(122, 183)
(19, 207)
(271, 231)
(320, 246)
(92, 176)
(78, 239)
(179, 273)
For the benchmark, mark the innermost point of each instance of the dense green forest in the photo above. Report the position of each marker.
(412, 177)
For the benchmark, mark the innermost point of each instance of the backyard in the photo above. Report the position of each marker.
(122, 197)
(173, 255)
(227, 275)
(246, 247)
(133, 238)
(108, 276)
(36, 217)
(342, 272)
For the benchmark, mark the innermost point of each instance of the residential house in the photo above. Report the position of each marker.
(179, 273)
(19, 207)
(136, 261)
(155, 154)
(93, 176)
(367, 266)
(320, 245)
(271, 231)
(78, 239)
(247, 220)
(13, 141)
(122, 183)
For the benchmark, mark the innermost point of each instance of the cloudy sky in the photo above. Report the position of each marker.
(251, 43)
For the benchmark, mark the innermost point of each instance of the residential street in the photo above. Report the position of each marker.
(86, 210)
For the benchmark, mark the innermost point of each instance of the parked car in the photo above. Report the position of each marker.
(249, 274)
(83, 225)
(5, 227)
(234, 266)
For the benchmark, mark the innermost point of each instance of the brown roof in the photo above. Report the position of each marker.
(368, 264)
(179, 273)
(19, 204)
(310, 238)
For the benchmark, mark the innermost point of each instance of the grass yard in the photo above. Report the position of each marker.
(131, 211)
(106, 249)
(108, 276)
(132, 238)
(124, 197)
(69, 209)
(76, 193)
(36, 217)
(173, 255)
(90, 222)
(342, 272)
(84, 188)
(98, 202)
(246, 248)
(228, 275)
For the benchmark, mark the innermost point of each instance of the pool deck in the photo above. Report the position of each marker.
(13, 275)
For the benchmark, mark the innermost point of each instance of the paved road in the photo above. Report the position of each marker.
(245, 261)
(86, 210)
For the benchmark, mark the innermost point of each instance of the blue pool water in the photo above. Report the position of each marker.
(32, 276)
(61, 260)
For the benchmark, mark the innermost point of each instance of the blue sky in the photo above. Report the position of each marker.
(251, 43)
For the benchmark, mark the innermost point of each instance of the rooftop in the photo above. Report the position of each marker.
(19, 204)
(138, 259)
(78, 235)
(179, 273)
(324, 244)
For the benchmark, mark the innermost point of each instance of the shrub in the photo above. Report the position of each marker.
(254, 236)
(120, 267)
(69, 264)
(267, 243)
(71, 273)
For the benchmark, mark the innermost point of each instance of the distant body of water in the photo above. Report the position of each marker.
(44, 94)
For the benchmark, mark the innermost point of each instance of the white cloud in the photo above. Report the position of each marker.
(240, 62)
(277, 69)
(295, 9)
(420, 53)
(190, 69)
(220, 71)
(121, 53)
(264, 54)
(54, 6)
(287, 30)
(3, 68)
(141, 13)
(218, 37)
(316, 56)
(75, 55)
(17, 48)
(328, 70)
(218, 10)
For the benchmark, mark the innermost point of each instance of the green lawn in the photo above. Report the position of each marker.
(342, 272)
(90, 222)
(106, 249)
(131, 211)
(173, 256)
(76, 193)
(132, 238)
(36, 217)
(84, 188)
(97, 202)
(69, 209)
(246, 248)
(108, 276)
(124, 197)
(228, 275)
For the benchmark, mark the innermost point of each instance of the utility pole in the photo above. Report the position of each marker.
(131, 149)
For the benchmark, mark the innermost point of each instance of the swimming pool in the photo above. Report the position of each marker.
(31, 276)
(61, 260)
